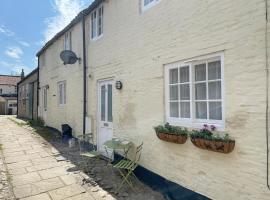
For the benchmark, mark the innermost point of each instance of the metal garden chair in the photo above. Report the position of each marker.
(128, 166)
(86, 152)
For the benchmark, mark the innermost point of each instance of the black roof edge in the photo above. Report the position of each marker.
(28, 75)
(76, 20)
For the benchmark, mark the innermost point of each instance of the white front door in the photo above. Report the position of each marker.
(105, 119)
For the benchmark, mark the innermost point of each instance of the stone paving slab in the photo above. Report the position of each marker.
(53, 172)
(38, 187)
(65, 192)
(43, 196)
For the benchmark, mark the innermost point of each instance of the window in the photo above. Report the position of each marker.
(1, 90)
(194, 92)
(146, 4)
(62, 93)
(67, 41)
(45, 94)
(97, 23)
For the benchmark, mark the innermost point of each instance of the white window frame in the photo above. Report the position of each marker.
(192, 122)
(63, 85)
(96, 20)
(149, 5)
(45, 98)
(67, 41)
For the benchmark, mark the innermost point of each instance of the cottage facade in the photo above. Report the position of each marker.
(8, 94)
(187, 63)
(27, 96)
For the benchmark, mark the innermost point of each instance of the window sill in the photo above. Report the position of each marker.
(96, 38)
(196, 124)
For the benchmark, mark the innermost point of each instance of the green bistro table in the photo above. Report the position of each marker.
(117, 144)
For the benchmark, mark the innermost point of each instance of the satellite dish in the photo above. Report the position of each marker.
(69, 57)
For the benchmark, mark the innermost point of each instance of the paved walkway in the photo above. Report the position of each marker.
(35, 172)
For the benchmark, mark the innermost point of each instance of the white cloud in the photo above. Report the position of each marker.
(4, 30)
(15, 68)
(65, 10)
(23, 43)
(14, 52)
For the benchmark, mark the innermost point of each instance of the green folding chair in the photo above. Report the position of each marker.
(84, 153)
(126, 168)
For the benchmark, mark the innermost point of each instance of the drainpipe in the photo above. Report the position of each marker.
(84, 73)
(267, 94)
(38, 87)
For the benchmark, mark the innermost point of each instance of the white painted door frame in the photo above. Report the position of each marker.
(104, 114)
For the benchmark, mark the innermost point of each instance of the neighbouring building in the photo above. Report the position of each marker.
(8, 94)
(27, 96)
(183, 62)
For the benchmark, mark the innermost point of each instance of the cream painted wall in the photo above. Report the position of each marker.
(134, 49)
(54, 71)
(8, 89)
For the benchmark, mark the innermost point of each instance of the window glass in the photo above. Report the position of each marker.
(174, 92)
(200, 91)
(214, 89)
(185, 109)
(174, 109)
(174, 76)
(214, 70)
(184, 92)
(215, 110)
(201, 110)
(103, 102)
(184, 74)
(110, 103)
(200, 72)
(97, 22)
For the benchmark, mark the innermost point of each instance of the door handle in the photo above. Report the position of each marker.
(105, 124)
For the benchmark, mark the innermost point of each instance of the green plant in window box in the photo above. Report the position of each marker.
(171, 133)
(207, 138)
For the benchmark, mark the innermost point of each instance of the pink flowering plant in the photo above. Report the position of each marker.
(208, 132)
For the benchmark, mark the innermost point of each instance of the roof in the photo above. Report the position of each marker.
(76, 20)
(9, 80)
(30, 74)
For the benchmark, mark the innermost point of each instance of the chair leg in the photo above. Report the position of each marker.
(125, 179)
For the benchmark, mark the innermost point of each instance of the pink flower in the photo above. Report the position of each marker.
(213, 128)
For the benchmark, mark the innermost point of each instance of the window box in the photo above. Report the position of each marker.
(172, 134)
(178, 139)
(216, 146)
(206, 138)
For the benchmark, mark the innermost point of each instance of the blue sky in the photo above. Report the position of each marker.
(25, 25)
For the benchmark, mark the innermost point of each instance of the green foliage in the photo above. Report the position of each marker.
(208, 135)
(37, 122)
(169, 129)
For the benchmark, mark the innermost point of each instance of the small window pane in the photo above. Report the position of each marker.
(214, 70)
(103, 96)
(215, 110)
(174, 109)
(184, 74)
(200, 91)
(174, 92)
(201, 110)
(200, 72)
(185, 109)
(184, 92)
(110, 103)
(173, 76)
(214, 90)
